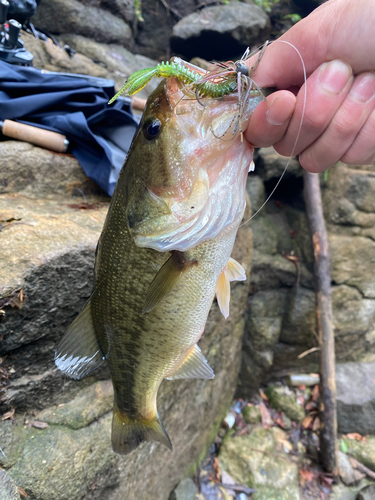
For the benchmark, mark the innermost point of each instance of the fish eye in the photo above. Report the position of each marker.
(151, 128)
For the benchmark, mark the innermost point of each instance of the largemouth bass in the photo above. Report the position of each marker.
(163, 254)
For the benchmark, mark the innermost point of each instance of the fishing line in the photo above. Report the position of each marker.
(298, 133)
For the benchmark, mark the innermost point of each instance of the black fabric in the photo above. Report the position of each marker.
(100, 135)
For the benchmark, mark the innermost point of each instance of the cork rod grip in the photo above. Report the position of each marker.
(35, 135)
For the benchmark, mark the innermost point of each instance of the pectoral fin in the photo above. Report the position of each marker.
(233, 271)
(79, 352)
(166, 279)
(195, 365)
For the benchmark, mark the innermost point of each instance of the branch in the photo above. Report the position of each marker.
(328, 418)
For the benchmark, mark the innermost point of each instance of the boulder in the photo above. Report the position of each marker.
(118, 62)
(153, 38)
(221, 31)
(59, 447)
(368, 493)
(356, 397)
(271, 166)
(71, 16)
(186, 490)
(343, 492)
(282, 398)
(256, 460)
(363, 450)
(8, 488)
(92, 58)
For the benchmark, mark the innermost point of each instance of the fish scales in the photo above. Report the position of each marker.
(163, 254)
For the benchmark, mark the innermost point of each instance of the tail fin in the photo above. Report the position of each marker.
(128, 434)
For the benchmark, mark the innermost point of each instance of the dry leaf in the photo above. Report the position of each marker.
(311, 405)
(315, 393)
(22, 492)
(316, 424)
(265, 415)
(262, 395)
(307, 421)
(215, 467)
(38, 425)
(356, 436)
(306, 476)
(9, 414)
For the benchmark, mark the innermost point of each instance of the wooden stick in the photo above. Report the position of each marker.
(328, 417)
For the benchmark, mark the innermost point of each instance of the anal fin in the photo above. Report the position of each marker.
(128, 433)
(166, 279)
(233, 271)
(195, 365)
(79, 352)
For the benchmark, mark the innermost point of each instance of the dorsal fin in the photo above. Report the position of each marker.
(166, 279)
(195, 365)
(233, 271)
(79, 352)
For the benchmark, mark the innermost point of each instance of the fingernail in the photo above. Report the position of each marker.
(276, 114)
(363, 87)
(334, 76)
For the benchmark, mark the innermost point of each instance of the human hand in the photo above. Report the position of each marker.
(339, 118)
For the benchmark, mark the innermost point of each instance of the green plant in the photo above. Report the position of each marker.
(138, 9)
(293, 17)
(266, 4)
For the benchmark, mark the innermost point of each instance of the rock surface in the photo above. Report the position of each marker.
(363, 451)
(220, 31)
(356, 398)
(71, 16)
(92, 58)
(8, 488)
(368, 493)
(282, 398)
(255, 460)
(281, 318)
(186, 490)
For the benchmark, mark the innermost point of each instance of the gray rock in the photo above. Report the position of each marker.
(271, 165)
(34, 171)
(155, 32)
(256, 192)
(251, 414)
(12, 442)
(356, 397)
(252, 460)
(299, 324)
(343, 492)
(347, 474)
(354, 318)
(118, 62)
(186, 490)
(282, 398)
(87, 407)
(368, 493)
(363, 451)
(221, 31)
(351, 264)
(8, 488)
(262, 332)
(70, 16)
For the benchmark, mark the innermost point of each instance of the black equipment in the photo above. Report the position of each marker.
(12, 49)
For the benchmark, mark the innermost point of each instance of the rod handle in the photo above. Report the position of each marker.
(35, 135)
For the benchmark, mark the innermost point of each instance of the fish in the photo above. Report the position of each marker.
(163, 255)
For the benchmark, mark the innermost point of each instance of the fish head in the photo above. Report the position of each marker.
(187, 167)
